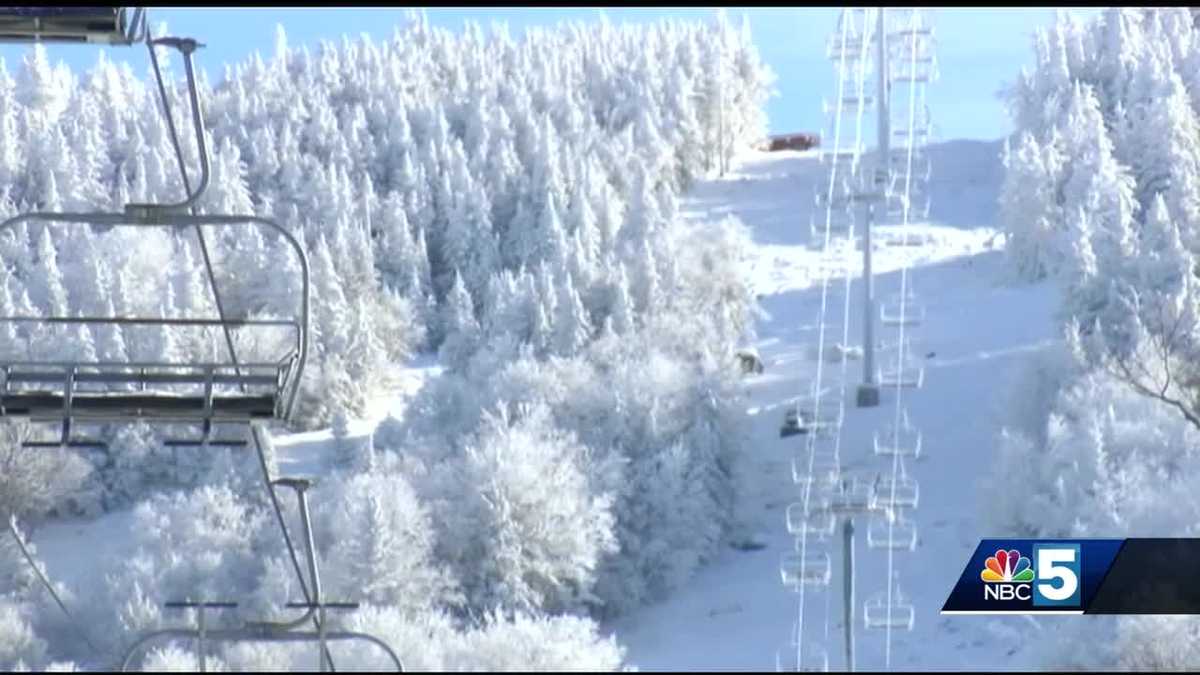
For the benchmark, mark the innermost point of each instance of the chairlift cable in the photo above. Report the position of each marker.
(16, 535)
(897, 464)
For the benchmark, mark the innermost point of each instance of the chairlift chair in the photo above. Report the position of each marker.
(906, 70)
(908, 33)
(819, 466)
(809, 523)
(96, 392)
(898, 156)
(897, 491)
(206, 393)
(843, 157)
(805, 569)
(917, 179)
(902, 440)
(897, 311)
(850, 49)
(879, 614)
(854, 495)
(814, 659)
(904, 374)
(840, 222)
(890, 531)
(103, 25)
(270, 631)
(850, 105)
(816, 417)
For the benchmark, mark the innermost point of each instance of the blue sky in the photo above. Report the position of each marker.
(978, 48)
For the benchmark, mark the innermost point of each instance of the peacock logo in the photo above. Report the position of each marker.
(1007, 567)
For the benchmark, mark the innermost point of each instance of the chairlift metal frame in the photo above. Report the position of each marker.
(98, 25)
(904, 440)
(819, 466)
(889, 531)
(890, 313)
(56, 395)
(907, 376)
(821, 524)
(264, 631)
(819, 662)
(805, 569)
(898, 491)
(66, 401)
(900, 615)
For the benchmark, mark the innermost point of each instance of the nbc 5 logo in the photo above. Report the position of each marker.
(1058, 575)
(1051, 581)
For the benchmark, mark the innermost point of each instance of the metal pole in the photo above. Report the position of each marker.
(848, 588)
(318, 602)
(868, 392)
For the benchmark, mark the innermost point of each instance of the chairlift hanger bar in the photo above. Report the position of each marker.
(252, 633)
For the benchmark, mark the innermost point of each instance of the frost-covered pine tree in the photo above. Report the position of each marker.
(459, 325)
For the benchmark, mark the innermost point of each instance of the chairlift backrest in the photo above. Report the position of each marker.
(218, 391)
(104, 25)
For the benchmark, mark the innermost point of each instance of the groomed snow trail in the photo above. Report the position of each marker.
(735, 614)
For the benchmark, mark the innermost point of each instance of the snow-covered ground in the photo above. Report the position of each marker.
(736, 613)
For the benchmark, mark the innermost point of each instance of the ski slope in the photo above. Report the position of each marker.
(736, 613)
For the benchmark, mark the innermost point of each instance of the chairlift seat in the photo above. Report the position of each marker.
(99, 393)
(812, 569)
(820, 525)
(839, 222)
(125, 392)
(107, 25)
(897, 492)
(855, 496)
(892, 314)
(820, 467)
(878, 614)
(906, 375)
(901, 440)
(814, 659)
(850, 105)
(891, 533)
(115, 406)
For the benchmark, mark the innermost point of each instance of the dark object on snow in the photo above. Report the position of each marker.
(800, 141)
(791, 425)
(748, 544)
(750, 362)
(930, 355)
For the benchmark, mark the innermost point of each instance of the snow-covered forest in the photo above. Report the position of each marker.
(538, 262)
(1102, 195)
(509, 203)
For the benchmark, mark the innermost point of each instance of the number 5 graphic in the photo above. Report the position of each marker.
(1057, 575)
